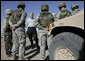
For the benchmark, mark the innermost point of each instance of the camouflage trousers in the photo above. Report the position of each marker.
(8, 41)
(19, 41)
(42, 43)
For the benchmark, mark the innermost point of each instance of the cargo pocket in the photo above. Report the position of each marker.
(22, 39)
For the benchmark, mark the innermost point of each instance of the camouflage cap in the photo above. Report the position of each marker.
(62, 5)
(44, 7)
(9, 11)
(20, 4)
(75, 6)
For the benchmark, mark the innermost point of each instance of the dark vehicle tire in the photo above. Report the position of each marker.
(66, 46)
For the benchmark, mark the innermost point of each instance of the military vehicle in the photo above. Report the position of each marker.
(66, 40)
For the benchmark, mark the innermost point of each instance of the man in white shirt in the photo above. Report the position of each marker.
(32, 30)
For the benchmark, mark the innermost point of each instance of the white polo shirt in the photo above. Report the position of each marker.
(30, 22)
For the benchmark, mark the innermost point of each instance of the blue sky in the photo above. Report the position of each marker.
(35, 6)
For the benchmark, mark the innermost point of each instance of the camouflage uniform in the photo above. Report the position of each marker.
(55, 17)
(7, 32)
(44, 19)
(75, 9)
(19, 38)
(63, 13)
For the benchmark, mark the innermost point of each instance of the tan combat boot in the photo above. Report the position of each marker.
(23, 59)
(20, 58)
(14, 57)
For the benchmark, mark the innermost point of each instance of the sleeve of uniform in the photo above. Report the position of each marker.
(4, 24)
(21, 20)
(37, 23)
(58, 16)
(10, 21)
(69, 13)
(52, 18)
(36, 20)
(55, 19)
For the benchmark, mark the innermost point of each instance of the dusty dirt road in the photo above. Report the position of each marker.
(30, 54)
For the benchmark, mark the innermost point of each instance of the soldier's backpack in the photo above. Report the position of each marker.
(45, 19)
(7, 27)
(16, 16)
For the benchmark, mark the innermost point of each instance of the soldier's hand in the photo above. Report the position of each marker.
(52, 24)
(46, 28)
(13, 28)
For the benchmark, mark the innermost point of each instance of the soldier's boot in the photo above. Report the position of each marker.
(32, 46)
(22, 58)
(14, 57)
(6, 52)
(38, 47)
(9, 54)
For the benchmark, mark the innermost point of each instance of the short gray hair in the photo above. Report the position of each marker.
(32, 13)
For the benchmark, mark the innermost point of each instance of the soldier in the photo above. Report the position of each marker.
(75, 9)
(7, 33)
(63, 13)
(44, 20)
(17, 23)
(54, 15)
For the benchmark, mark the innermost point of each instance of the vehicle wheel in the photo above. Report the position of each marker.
(66, 46)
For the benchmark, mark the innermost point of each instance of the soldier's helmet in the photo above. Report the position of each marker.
(9, 11)
(21, 4)
(44, 7)
(74, 6)
(62, 5)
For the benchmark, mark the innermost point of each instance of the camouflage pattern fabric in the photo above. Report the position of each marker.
(8, 41)
(19, 37)
(45, 19)
(63, 14)
(7, 35)
(75, 11)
